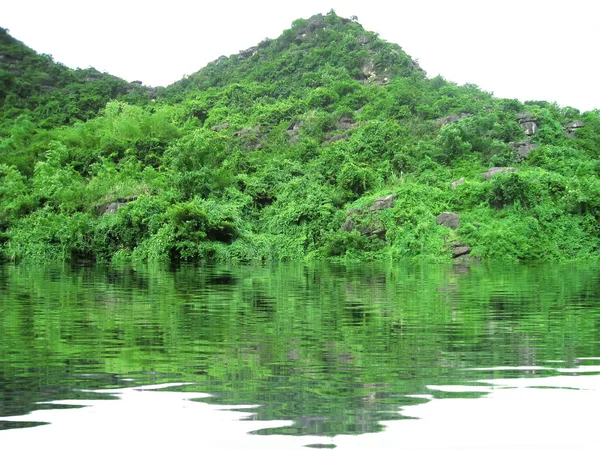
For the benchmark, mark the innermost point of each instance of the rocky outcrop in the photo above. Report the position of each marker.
(113, 207)
(363, 40)
(368, 69)
(448, 219)
(572, 126)
(457, 182)
(245, 54)
(523, 148)
(348, 225)
(220, 127)
(490, 173)
(460, 250)
(365, 222)
(451, 118)
(346, 123)
(383, 203)
(528, 123)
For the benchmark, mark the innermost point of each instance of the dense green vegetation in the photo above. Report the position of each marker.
(258, 156)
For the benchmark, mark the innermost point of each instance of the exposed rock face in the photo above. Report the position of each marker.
(448, 219)
(349, 223)
(220, 127)
(245, 54)
(457, 182)
(461, 250)
(523, 148)
(371, 226)
(383, 203)
(113, 207)
(374, 230)
(363, 40)
(490, 173)
(334, 138)
(451, 118)
(368, 69)
(572, 126)
(527, 123)
(315, 22)
(346, 123)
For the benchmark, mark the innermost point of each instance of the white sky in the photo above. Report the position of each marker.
(525, 49)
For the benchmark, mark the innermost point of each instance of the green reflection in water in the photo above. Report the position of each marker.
(335, 348)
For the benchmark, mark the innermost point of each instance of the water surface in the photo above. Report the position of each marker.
(353, 356)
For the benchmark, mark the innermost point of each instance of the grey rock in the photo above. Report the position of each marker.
(244, 54)
(523, 148)
(524, 116)
(363, 40)
(451, 118)
(352, 212)
(375, 229)
(335, 138)
(574, 125)
(383, 203)
(461, 250)
(457, 182)
(490, 173)
(528, 123)
(348, 225)
(220, 127)
(368, 69)
(295, 126)
(113, 207)
(448, 219)
(243, 132)
(346, 123)
(316, 22)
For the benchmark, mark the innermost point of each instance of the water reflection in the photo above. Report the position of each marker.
(324, 350)
(504, 413)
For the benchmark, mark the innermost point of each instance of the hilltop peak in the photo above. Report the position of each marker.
(305, 49)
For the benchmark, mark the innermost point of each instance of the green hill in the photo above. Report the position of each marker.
(327, 142)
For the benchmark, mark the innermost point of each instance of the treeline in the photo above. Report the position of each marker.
(261, 155)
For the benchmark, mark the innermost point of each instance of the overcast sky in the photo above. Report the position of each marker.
(525, 49)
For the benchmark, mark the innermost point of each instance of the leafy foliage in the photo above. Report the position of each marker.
(259, 155)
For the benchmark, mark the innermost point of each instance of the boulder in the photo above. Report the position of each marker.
(461, 250)
(383, 203)
(523, 148)
(368, 69)
(295, 126)
(242, 132)
(457, 182)
(220, 127)
(245, 54)
(334, 138)
(451, 118)
(375, 229)
(448, 219)
(363, 40)
(527, 123)
(346, 123)
(572, 126)
(113, 207)
(490, 173)
(348, 225)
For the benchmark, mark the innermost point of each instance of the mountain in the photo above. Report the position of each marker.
(327, 142)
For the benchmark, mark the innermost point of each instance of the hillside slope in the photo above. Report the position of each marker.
(326, 142)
